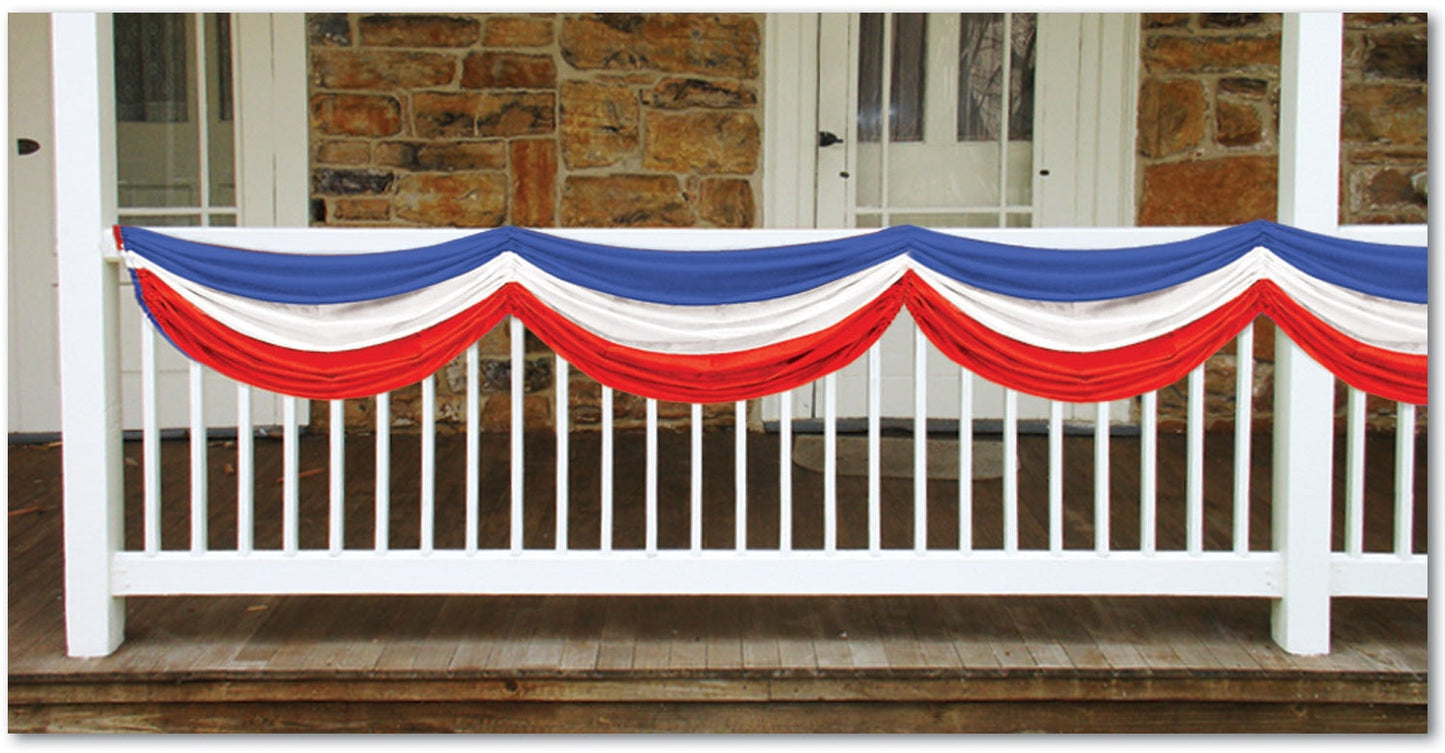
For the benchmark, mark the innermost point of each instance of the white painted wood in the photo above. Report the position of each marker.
(846, 572)
(90, 397)
(1056, 476)
(785, 472)
(1404, 479)
(150, 441)
(245, 472)
(1355, 473)
(965, 460)
(1380, 576)
(920, 441)
(474, 448)
(1310, 63)
(1010, 470)
(336, 477)
(790, 118)
(270, 104)
(1194, 464)
(383, 473)
(563, 461)
(830, 463)
(695, 479)
(740, 472)
(428, 462)
(875, 442)
(198, 477)
(650, 492)
(33, 353)
(1243, 428)
(1101, 478)
(605, 525)
(290, 476)
(517, 338)
(1148, 471)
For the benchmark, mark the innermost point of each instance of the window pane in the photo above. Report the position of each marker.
(910, 60)
(150, 67)
(220, 127)
(870, 76)
(981, 73)
(1024, 29)
(906, 83)
(161, 220)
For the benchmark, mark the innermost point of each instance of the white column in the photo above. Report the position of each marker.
(83, 149)
(1304, 391)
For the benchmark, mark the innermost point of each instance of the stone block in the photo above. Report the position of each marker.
(1392, 114)
(405, 30)
(536, 377)
(1171, 116)
(503, 114)
(1230, 20)
(333, 181)
(445, 114)
(343, 153)
(1181, 54)
(1237, 124)
(517, 31)
(1165, 20)
(704, 142)
(355, 115)
(1247, 87)
(1397, 55)
(475, 199)
(534, 182)
(680, 93)
(722, 45)
(624, 201)
(328, 29)
(496, 413)
(381, 69)
(1224, 191)
(599, 123)
(508, 70)
(1367, 20)
(443, 156)
(726, 202)
(358, 209)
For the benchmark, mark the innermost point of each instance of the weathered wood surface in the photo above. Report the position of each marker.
(624, 663)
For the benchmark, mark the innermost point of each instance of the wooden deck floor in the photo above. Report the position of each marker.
(744, 664)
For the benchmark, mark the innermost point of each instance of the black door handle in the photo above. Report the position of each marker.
(828, 138)
(27, 146)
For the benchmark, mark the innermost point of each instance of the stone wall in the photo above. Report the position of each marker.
(1208, 147)
(543, 120)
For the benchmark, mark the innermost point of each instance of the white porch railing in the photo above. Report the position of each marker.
(1300, 571)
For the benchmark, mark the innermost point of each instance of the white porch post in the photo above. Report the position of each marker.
(83, 148)
(1309, 169)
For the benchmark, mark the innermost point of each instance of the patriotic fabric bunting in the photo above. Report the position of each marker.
(714, 326)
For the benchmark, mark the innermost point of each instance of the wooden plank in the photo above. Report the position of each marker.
(735, 717)
(1063, 614)
(509, 648)
(1117, 650)
(830, 643)
(760, 637)
(724, 636)
(653, 634)
(1040, 640)
(549, 639)
(438, 647)
(482, 632)
(688, 648)
(1136, 626)
(617, 646)
(968, 635)
(584, 639)
(895, 632)
(795, 634)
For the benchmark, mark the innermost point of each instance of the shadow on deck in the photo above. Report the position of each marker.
(689, 664)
